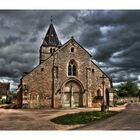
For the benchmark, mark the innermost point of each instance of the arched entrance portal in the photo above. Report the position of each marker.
(72, 92)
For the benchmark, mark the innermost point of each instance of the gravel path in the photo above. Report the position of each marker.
(128, 119)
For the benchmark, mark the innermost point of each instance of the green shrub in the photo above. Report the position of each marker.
(1, 101)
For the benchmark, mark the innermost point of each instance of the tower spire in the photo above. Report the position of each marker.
(51, 37)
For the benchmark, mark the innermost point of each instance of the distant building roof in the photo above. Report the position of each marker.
(4, 88)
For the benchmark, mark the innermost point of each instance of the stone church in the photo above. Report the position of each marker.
(65, 77)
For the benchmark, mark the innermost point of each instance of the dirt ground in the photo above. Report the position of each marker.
(11, 119)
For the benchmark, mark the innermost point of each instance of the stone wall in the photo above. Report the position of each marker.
(45, 52)
(38, 85)
(127, 99)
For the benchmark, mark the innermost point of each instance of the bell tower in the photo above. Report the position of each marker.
(50, 44)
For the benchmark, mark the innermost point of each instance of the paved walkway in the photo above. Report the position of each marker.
(11, 119)
(129, 119)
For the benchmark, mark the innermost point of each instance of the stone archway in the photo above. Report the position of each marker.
(72, 91)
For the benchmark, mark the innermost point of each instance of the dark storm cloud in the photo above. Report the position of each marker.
(9, 41)
(114, 17)
(112, 37)
(92, 34)
(118, 45)
(34, 39)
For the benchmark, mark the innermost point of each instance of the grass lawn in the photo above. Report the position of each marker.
(120, 103)
(82, 117)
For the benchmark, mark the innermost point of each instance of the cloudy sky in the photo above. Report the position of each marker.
(112, 37)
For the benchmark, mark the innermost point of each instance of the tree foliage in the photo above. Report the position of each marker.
(128, 89)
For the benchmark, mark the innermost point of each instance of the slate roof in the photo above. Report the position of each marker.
(51, 37)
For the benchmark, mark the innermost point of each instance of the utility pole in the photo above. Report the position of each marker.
(70, 95)
(103, 102)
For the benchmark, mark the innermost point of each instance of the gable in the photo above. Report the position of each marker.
(73, 43)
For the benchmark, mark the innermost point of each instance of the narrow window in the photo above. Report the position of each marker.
(72, 70)
(93, 70)
(72, 49)
(69, 70)
(53, 49)
(42, 69)
(50, 50)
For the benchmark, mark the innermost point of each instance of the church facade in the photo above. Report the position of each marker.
(65, 77)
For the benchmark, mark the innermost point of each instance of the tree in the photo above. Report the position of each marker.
(128, 89)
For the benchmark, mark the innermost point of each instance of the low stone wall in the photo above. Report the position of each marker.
(128, 99)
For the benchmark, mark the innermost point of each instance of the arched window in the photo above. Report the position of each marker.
(72, 69)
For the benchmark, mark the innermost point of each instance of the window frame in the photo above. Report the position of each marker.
(72, 68)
